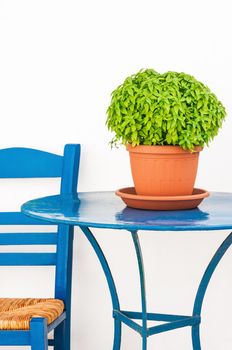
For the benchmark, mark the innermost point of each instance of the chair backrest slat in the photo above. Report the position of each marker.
(29, 238)
(27, 259)
(35, 163)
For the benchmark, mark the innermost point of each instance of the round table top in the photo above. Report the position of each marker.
(106, 210)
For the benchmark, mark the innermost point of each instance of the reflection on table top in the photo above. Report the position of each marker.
(106, 210)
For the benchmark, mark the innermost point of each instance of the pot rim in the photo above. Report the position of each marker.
(161, 149)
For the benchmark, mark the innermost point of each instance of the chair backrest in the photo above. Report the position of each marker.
(31, 163)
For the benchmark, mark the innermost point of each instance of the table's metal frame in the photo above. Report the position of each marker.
(171, 321)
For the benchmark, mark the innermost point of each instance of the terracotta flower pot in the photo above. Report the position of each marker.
(163, 170)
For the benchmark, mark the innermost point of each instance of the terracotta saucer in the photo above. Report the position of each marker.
(131, 199)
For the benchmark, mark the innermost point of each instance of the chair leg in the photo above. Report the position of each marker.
(39, 337)
(67, 333)
(62, 336)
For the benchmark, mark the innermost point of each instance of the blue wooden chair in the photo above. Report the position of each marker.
(28, 321)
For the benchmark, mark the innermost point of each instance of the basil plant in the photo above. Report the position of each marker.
(173, 108)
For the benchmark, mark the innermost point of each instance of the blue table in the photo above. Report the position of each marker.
(106, 210)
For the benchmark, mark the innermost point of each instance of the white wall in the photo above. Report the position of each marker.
(59, 61)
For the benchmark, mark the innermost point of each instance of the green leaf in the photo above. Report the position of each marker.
(149, 125)
(133, 128)
(134, 135)
(199, 104)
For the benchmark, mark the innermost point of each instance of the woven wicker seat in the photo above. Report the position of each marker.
(15, 314)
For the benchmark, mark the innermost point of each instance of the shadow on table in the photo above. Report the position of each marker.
(149, 217)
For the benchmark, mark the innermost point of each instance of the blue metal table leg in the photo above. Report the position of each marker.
(203, 286)
(142, 287)
(110, 281)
